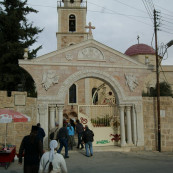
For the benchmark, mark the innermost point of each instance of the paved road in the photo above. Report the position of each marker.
(113, 162)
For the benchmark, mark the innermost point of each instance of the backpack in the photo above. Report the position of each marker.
(89, 136)
(51, 136)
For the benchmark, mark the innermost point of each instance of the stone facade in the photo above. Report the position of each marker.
(16, 131)
(150, 123)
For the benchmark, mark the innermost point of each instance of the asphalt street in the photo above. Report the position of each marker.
(112, 162)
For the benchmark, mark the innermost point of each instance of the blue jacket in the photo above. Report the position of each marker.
(70, 131)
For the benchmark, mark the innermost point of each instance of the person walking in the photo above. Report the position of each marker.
(79, 130)
(72, 123)
(41, 133)
(54, 132)
(87, 138)
(70, 136)
(63, 139)
(32, 148)
(51, 161)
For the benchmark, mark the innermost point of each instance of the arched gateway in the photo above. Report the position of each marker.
(89, 67)
(54, 74)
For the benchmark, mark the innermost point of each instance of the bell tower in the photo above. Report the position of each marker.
(71, 22)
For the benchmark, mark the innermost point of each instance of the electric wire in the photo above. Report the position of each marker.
(152, 40)
(166, 21)
(118, 14)
(164, 9)
(130, 6)
(164, 74)
(165, 31)
(129, 16)
(112, 12)
(148, 10)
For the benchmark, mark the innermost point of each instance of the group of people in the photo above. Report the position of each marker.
(66, 138)
(35, 160)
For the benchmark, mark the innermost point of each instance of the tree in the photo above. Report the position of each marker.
(165, 90)
(16, 34)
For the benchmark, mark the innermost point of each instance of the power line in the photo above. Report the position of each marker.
(129, 16)
(41, 5)
(130, 6)
(112, 12)
(165, 31)
(97, 11)
(164, 9)
(166, 21)
(118, 14)
(164, 74)
(163, 15)
(148, 10)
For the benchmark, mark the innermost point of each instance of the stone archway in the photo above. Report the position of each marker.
(112, 82)
(126, 104)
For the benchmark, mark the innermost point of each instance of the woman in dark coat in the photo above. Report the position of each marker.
(32, 148)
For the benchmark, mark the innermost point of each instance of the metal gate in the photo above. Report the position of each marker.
(100, 115)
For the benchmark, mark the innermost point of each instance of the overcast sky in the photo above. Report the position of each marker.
(117, 22)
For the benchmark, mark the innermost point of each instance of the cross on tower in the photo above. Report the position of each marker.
(90, 27)
(138, 38)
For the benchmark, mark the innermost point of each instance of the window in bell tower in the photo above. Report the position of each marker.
(71, 1)
(72, 23)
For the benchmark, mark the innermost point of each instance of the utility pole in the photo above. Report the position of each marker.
(157, 83)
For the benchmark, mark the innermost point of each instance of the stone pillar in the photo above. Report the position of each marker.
(52, 109)
(42, 110)
(43, 120)
(134, 126)
(122, 126)
(139, 123)
(129, 128)
(87, 96)
(60, 115)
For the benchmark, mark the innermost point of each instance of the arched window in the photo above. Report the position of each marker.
(94, 97)
(72, 94)
(72, 23)
(71, 1)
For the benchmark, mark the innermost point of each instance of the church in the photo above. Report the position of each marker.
(87, 80)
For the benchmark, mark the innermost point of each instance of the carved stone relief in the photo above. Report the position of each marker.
(69, 57)
(131, 81)
(49, 78)
(90, 53)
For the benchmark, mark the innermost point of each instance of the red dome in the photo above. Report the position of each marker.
(139, 49)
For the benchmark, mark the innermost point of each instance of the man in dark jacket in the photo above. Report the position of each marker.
(41, 133)
(87, 138)
(79, 130)
(63, 139)
(32, 148)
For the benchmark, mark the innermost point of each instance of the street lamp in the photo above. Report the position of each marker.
(169, 44)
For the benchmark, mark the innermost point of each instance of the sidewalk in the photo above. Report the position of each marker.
(111, 160)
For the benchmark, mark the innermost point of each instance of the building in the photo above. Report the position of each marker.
(90, 81)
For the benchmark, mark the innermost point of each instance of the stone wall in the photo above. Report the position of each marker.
(16, 131)
(150, 123)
